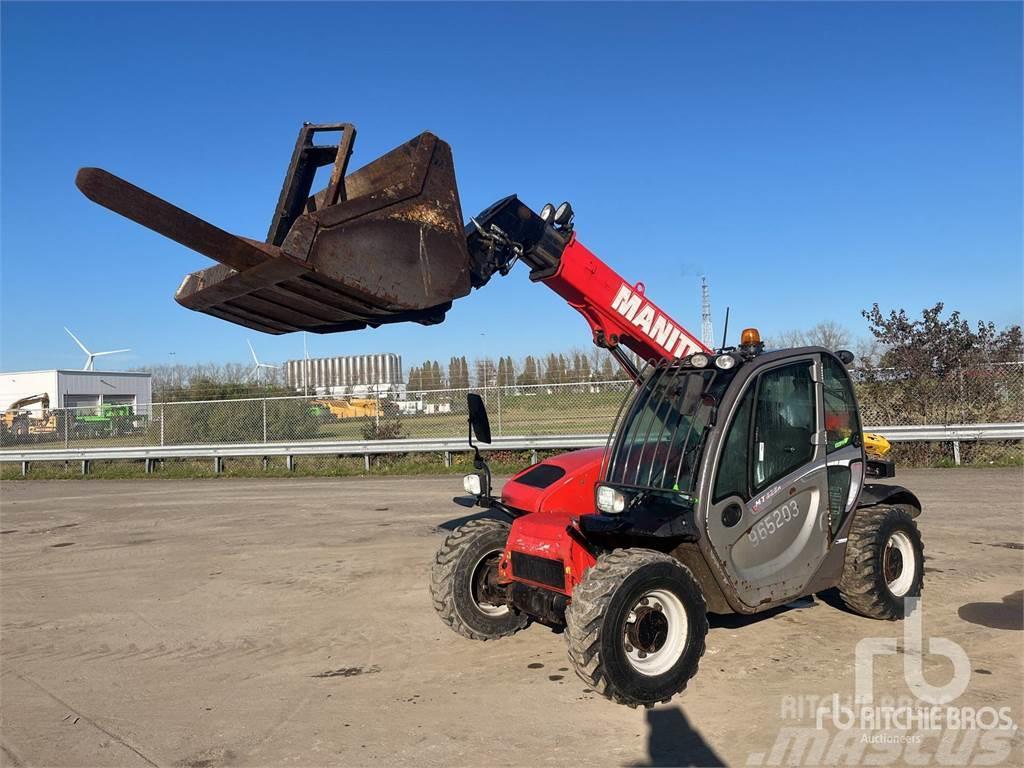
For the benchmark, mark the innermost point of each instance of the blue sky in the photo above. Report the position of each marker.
(810, 159)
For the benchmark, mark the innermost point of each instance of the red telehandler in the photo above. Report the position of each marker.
(733, 480)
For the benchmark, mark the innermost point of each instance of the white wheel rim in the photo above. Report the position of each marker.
(486, 608)
(669, 630)
(899, 543)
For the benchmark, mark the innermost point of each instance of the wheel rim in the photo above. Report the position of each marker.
(484, 588)
(899, 563)
(655, 633)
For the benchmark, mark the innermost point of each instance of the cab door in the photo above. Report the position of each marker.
(843, 443)
(768, 520)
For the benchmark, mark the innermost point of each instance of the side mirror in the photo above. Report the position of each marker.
(845, 355)
(478, 422)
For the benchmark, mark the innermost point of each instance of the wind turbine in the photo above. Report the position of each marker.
(257, 369)
(91, 356)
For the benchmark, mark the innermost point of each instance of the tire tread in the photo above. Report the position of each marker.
(859, 584)
(586, 612)
(442, 575)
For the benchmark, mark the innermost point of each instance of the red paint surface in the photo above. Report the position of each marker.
(590, 286)
(544, 531)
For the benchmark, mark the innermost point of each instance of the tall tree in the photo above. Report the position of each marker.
(431, 375)
(508, 377)
(555, 369)
(582, 369)
(415, 379)
(485, 372)
(607, 370)
(937, 369)
(941, 344)
(529, 376)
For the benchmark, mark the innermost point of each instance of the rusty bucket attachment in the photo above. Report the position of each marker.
(384, 244)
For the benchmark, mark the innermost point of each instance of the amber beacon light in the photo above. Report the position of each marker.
(749, 337)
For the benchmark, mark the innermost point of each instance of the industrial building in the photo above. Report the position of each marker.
(77, 389)
(352, 374)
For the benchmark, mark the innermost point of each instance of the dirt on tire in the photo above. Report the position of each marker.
(596, 608)
(863, 586)
(451, 581)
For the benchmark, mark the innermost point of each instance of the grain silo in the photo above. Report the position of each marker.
(348, 374)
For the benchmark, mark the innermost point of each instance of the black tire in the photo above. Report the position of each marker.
(462, 580)
(875, 559)
(599, 629)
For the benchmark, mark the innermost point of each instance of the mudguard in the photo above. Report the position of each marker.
(878, 493)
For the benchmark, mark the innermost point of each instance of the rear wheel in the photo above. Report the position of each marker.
(636, 627)
(464, 584)
(884, 563)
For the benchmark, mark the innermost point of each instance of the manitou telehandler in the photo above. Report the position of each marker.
(732, 481)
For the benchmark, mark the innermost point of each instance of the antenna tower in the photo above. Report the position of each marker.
(707, 333)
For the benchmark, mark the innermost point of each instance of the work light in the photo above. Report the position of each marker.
(472, 484)
(563, 214)
(725, 362)
(610, 500)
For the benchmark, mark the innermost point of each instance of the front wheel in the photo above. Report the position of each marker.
(636, 627)
(464, 586)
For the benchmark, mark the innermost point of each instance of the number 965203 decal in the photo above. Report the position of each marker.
(773, 521)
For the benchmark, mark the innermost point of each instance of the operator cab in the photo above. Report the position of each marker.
(759, 460)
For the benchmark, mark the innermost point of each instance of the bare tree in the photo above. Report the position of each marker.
(785, 339)
(868, 352)
(828, 334)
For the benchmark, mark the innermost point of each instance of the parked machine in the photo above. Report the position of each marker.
(733, 480)
(349, 408)
(19, 423)
(109, 420)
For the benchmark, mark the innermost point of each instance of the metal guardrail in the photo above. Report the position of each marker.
(951, 432)
(218, 452)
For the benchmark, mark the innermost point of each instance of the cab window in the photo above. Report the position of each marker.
(784, 422)
(842, 429)
(842, 423)
(732, 469)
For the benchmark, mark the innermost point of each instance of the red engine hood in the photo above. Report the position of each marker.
(563, 484)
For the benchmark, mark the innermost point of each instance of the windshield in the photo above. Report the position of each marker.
(659, 439)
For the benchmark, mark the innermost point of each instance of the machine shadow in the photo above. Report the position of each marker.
(1008, 614)
(739, 620)
(673, 741)
(833, 599)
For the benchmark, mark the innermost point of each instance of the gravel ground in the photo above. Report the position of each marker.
(287, 622)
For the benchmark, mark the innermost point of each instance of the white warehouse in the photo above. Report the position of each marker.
(77, 389)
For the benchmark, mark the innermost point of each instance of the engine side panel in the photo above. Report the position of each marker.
(546, 535)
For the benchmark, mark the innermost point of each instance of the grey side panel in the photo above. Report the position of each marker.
(770, 555)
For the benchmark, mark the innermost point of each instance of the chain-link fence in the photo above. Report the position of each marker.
(887, 398)
(991, 394)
